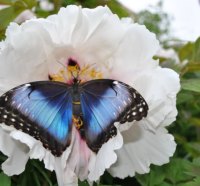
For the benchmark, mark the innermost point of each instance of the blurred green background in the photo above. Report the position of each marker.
(184, 167)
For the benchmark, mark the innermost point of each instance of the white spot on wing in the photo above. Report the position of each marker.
(19, 106)
(141, 109)
(13, 119)
(115, 82)
(134, 113)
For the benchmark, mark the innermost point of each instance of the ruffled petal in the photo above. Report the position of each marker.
(142, 148)
(29, 53)
(89, 35)
(16, 152)
(135, 52)
(105, 157)
(65, 177)
(79, 157)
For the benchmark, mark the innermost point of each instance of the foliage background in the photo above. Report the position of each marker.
(184, 167)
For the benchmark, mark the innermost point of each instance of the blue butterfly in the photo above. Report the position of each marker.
(47, 110)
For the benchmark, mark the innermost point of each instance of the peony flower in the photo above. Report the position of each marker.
(104, 47)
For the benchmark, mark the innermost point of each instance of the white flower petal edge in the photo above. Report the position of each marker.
(13, 149)
(105, 157)
(142, 148)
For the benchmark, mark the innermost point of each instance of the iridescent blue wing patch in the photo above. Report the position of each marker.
(41, 109)
(104, 102)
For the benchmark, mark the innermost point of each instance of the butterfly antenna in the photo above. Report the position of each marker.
(60, 63)
(65, 78)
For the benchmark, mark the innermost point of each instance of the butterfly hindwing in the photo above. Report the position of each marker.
(104, 102)
(41, 109)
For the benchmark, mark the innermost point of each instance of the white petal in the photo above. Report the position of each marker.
(104, 158)
(89, 35)
(135, 51)
(23, 58)
(79, 156)
(65, 177)
(142, 148)
(16, 152)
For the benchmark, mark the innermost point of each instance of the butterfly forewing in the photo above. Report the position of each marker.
(42, 110)
(104, 102)
(137, 107)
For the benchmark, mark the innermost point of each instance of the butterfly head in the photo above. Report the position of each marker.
(74, 69)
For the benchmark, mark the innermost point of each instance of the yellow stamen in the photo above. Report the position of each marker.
(86, 73)
(59, 76)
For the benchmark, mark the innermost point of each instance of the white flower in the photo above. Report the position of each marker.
(108, 48)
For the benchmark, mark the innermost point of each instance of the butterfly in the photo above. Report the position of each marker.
(47, 110)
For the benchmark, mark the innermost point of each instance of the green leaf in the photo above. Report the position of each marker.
(108, 185)
(196, 182)
(191, 67)
(36, 179)
(195, 121)
(116, 8)
(184, 97)
(186, 51)
(83, 183)
(191, 84)
(7, 15)
(191, 52)
(193, 169)
(193, 148)
(196, 51)
(28, 4)
(154, 178)
(6, 2)
(4, 180)
(43, 173)
(175, 170)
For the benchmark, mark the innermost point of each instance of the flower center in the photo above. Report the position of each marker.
(73, 70)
